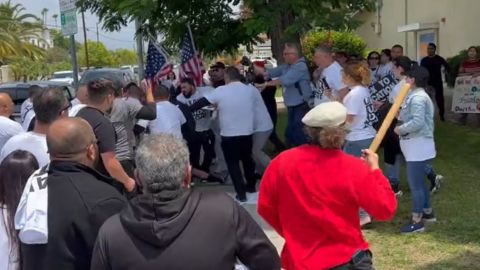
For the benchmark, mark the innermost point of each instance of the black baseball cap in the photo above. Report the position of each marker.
(218, 65)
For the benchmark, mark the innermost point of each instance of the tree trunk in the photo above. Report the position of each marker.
(277, 35)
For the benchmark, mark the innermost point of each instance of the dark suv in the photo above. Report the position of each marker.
(116, 75)
(18, 91)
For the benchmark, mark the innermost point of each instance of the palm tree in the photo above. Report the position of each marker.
(44, 14)
(55, 17)
(16, 30)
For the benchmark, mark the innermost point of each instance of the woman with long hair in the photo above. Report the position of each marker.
(15, 170)
(311, 195)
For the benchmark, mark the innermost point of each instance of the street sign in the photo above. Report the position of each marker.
(68, 17)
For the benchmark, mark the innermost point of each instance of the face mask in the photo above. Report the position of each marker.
(187, 95)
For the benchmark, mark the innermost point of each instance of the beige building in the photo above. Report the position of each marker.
(451, 24)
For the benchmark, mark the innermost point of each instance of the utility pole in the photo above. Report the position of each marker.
(85, 39)
(73, 54)
(139, 37)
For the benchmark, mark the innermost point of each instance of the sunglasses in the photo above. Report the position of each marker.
(67, 107)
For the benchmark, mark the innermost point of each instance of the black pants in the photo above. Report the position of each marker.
(274, 139)
(236, 149)
(205, 140)
(365, 263)
(128, 166)
(440, 99)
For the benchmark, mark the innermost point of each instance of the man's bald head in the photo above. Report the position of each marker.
(6, 105)
(69, 139)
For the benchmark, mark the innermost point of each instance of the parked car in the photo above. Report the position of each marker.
(65, 76)
(118, 76)
(18, 91)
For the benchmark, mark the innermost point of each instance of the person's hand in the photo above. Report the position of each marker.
(261, 86)
(129, 185)
(328, 93)
(377, 104)
(397, 131)
(370, 158)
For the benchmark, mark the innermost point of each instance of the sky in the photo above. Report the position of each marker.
(112, 40)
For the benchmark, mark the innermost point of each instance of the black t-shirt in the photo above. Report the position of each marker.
(434, 66)
(104, 132)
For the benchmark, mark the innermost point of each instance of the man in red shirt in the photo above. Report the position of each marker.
(311, 196)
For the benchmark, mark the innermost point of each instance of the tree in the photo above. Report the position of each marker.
(60, 41)
(16, 28)
(44, 15)
(215, 26)
(218, 29)
(55, 17)
(289, 20)
(124, 57)
(24, 68)
(98, 55)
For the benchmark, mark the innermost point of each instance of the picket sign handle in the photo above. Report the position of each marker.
(389, 118)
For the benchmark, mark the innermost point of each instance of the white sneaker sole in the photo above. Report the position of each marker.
(416, 231)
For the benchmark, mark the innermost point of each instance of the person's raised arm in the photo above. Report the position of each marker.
(200, 104)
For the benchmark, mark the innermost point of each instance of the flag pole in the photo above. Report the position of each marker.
(193, 43)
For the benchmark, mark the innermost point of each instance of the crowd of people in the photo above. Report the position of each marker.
(105, 181)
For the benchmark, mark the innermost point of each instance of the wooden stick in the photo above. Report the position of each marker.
(389, 118)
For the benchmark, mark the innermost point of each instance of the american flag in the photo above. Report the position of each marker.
(158, 65)
(191, 65)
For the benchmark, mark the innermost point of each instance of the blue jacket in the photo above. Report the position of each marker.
(417, 115)
(295, 80)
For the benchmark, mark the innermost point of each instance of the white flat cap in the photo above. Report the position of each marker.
(328, 114)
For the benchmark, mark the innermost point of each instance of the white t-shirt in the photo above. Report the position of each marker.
(385, 70)
(418, 149)
(27, 106)
(32, 142)
(396, 90)
(9, 258)
(8, 129)
(359, 104)
(263, 121)
(236, 108)
(169, 120)
(331, 78)
(28, 120)
(203, 117)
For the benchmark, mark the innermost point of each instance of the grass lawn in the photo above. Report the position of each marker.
(453, 242)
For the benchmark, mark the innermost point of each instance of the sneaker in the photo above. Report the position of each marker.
(436, 184)
(429, 217)
(240, 200)
(413, 228)
(365, 221)
(397, 191)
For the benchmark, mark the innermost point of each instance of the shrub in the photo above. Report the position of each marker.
(454, 63)
(345, 41)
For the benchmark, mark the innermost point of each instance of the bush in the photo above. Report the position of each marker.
(347, 41)
(454, 63)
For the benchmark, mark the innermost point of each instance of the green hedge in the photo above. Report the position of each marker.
(454, 63)
(348, 42)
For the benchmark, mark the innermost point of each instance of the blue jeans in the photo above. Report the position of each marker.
(416, 171)
(294, 133)
(393, 171)
(355, 148)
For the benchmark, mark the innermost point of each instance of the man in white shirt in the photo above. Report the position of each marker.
(329, 87)
(262, 130)
(8, 127)
(169, 117)
(203, 137)
(49, 105)
(235, 103)
(27, 105)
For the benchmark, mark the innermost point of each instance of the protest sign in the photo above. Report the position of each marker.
(382, 88)
(466, 95)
